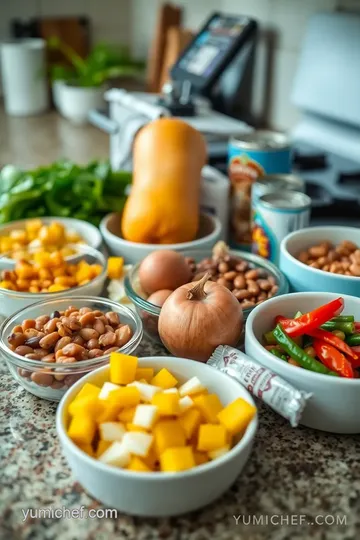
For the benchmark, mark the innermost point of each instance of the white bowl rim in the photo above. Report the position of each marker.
(18, 222)
(238, 448)
(281, 363)
(182, 246)
(301, 265)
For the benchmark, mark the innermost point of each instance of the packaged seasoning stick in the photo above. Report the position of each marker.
(261, 382)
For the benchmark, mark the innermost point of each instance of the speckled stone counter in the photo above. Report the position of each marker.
(295, 481)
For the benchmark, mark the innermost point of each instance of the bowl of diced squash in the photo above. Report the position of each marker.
(156, 436)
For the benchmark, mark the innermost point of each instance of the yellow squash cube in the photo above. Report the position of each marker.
(110, 412)
(122, 368)
(88, 449)
(90, 405)
(177, 459)
(211, 437)
(164, 379)
(127, 414)
(168, 433)
(115, 267)
(237, 416)
(82, 429)
(144, 373)
(209, 405)
(190, 422)
(134, 427)
(102, 446)
(128, 396)
(200, 457)
(167, 404)
(151, 460)
(88, 390)
(137, 464)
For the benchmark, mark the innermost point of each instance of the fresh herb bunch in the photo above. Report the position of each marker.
(62, 189)
(103, 63)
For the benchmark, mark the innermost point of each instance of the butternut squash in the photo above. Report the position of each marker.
(163, 206)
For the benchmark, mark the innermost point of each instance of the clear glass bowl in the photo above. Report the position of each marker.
(149, 313)
(12, 301)
(62, 375)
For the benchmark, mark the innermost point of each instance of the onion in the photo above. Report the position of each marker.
(198, 317)
(163, 269)
(158, 298)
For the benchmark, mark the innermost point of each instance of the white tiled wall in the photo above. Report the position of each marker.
(282, 25)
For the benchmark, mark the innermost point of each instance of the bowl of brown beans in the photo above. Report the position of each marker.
(322, 259)
(50, 345)
(250, 278)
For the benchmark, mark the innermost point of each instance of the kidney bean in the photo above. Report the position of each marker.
(253, 287)
(63, 330)
(242, 294)
(109, 350)
(92, 344)
(246, 304)
(24, 373)
(62, 342)
(16, 339)
(89, 333)
(40, 352)
(99, 326)
(51, 325)
(87, 319)
(72, 379)
(33, 356)
(70, 310)
(66, 360)
(72, 349)
(113, 318)
(40, 321)
(78, 340)
(42, 378)
(264, 284)
(28, 323)
(225, 283)
(49, 341)
(49, 358)
(123, 335)
(23, 350)
(57, 385)
(94, 353)
(105, 340)
(355, 269)
(252, 274)
(223, 267)
(84, 310)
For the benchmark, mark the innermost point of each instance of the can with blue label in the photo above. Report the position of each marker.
(277, 215)
(253, 155)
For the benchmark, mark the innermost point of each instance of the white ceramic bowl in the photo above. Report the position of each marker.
(90, 234)
(160, 494)
(305, 278)
(335, 403)
(13, 301)
(133, 252)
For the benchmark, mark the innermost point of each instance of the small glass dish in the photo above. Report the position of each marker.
(149, 313)
(12, 301)
(62, 376)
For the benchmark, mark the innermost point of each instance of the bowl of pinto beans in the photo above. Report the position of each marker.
(313, 341)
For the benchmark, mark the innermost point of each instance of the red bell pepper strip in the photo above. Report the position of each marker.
(312, 320)
(357, 326)
(333, 359)
(328, 337)
(356, 363)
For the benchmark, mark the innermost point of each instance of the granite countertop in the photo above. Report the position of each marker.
(295, 479)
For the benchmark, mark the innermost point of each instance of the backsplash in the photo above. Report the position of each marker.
(282, 24)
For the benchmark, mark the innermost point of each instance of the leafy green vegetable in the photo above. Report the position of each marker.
(62, 189)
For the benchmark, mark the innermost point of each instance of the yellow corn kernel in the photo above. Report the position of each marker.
(72, 237)
(200, 457)
(18, 235)
(122, 368)
(87, 404)
(167, 404)
(136, 464)
(44, 273)
(167, 434)
(127, 415)
(56, 260)
(44, 235)
(23, 284)
(211, 437)
(8, 285)
(5, 244)
(237, 416)
(59, 271)
(95, 270)
(115, 267)
(21, 255)
(67, 281)
(82, 429)
(46, 283)
(35, 283)
(133, 427)
(56, 232)
(144, 373)
(164, 379)
(34, 289)
(71, 269)
(128, 396)
(84, 282)
(102, 446)
(190, 422)
(33, 225)
(83, 272)
(110, 412)
(88, 449)
(42, 259)
(57, 288)
(24, 271)
(177, 459)
(209, 405)
(67, 252)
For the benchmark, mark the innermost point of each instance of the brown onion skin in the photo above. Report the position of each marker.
(163, 269)
(158, 298)
(193, 328)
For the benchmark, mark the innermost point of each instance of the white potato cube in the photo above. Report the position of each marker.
(116, 455)
(112, 431)
(219, 452)
(147, 391)
(106, 389)
(192, 386)
(137, 443)
(185, 403)
(145, 416)
(171, 391)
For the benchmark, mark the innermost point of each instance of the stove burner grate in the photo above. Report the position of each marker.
(309, 162)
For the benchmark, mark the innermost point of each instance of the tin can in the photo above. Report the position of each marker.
(256, 154)
(278, 214)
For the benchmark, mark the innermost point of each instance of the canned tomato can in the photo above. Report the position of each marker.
(275, 183)
(276, 215)
(253, 155)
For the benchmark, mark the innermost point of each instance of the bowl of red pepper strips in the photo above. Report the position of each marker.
(313, 341)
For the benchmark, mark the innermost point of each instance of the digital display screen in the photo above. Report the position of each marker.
(211, 45)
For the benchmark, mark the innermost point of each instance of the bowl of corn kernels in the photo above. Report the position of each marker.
(156, 436)
(21, 239)
(49, 275)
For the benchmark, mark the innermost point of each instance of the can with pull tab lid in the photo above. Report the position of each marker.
(276, 215)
